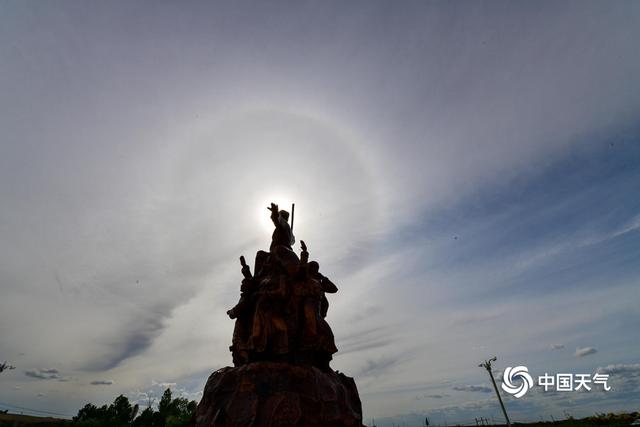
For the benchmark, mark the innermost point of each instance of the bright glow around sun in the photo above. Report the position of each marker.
(281, 157)
(283, 200)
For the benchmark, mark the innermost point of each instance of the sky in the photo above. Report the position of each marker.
(465, 172)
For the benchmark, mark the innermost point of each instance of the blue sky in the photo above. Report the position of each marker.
(466, 173)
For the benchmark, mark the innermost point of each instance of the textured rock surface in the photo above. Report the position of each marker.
(269, 394)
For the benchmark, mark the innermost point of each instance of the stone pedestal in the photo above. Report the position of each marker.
(269, 394)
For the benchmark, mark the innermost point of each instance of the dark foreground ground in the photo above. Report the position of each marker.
(601, 420)
(15, 420)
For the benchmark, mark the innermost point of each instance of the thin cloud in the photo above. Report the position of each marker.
(556, 346)
(473, 388)
(101, 382)
(621, 369)
(365, 340)
(132, 343)
(163, 384)
(43, 374)
(374, 368)
(623, 378)
(585, 351)
(433, 396)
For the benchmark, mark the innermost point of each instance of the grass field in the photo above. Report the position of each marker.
(601, 420)
(16, 420)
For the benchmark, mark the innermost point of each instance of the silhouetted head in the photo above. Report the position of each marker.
(284, 215)
(314, 267)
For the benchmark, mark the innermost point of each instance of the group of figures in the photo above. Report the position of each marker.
(282, 309)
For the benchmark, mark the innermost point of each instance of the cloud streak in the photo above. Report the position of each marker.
(43, 374)
(473, 388)
(585, 351)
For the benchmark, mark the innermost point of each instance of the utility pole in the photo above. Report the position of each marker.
(487, 365)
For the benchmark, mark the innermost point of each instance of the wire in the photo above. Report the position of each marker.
(35, 410)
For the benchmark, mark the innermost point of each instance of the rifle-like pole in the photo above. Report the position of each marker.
(293, 211)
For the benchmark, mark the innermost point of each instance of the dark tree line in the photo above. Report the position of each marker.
(171, 413)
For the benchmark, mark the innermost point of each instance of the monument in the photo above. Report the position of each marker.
(281, 348)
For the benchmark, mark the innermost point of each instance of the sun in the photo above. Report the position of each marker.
(284, 202)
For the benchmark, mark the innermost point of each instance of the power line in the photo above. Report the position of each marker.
(35, 410)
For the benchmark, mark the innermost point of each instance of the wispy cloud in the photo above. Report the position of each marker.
(43, 374)
(624, 379)
(377, 367)
(102, 382)
(472, 388)
(585, 351)
(162, 384)
(432, 396)
(621, 369)
(457, 219)
(366, 339)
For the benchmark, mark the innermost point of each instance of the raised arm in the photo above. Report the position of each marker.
(304, 255)
(274, 213)
(246, 271)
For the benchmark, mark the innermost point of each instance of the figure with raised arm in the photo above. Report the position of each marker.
(316, 337)
(243, 313)
(282, 235)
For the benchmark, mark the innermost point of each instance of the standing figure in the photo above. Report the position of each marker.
(316, 335)
(243, 313)
(326, 285)
(282, 235)
(269, 334)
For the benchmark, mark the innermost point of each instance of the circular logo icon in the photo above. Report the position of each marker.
(517, 374)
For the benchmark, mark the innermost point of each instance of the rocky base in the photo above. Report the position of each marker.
(268, 394)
